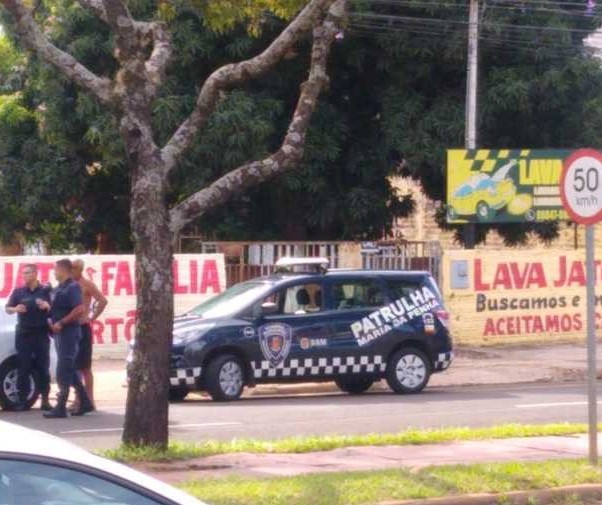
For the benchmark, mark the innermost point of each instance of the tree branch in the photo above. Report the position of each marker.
(123, 26)
(133, 35)
(160, 56)
(31, 35)
(96, 7)
(235, 73)
(291, 150)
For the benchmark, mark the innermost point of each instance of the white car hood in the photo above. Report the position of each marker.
(19, 440)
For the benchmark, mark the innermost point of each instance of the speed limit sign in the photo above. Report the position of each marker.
(581, 186)
(581, 194)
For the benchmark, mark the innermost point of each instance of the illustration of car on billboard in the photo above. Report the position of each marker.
(483, 195)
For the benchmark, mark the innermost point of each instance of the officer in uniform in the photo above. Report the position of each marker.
(65, 313)
(31, 303)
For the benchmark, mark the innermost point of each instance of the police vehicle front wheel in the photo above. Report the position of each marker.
(225, 378)
(9, 394)
(408, 371)
(354, 385)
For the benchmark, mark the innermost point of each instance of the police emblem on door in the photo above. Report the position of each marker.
(275, 341)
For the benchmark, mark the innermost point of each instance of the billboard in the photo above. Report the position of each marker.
(512, 297)
(504, 185)
(197, 278)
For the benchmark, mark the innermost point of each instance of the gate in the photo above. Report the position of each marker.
(403, 256)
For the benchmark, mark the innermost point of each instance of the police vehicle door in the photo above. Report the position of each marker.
(352, 300)
(291, 340)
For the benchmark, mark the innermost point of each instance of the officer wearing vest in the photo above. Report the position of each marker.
(65, 313)
(31, 303)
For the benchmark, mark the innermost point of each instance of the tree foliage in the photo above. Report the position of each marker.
(539, 86)
(341, 191)
(396, 101)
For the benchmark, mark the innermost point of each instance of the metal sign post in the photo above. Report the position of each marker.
(581, 194)
(592, 400)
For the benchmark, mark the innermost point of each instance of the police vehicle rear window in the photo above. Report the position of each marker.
(357, 294)
(402, 287)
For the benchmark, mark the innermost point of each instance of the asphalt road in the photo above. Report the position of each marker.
(277, 417)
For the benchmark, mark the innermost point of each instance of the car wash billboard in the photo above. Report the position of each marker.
(504, 185)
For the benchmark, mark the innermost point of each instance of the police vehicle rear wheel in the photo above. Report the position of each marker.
(408, 371)
(354, 385)
(177, 394)
(8, 386)
(225, 378)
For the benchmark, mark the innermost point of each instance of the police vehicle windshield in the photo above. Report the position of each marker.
(232, 301)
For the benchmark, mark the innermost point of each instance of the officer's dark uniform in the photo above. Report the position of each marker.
(67, 296)
(32, 340)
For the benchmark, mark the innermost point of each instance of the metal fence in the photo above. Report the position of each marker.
(403, 256)
(247, 260)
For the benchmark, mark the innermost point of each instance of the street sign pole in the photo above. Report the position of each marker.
(581, 195)
(592, 400)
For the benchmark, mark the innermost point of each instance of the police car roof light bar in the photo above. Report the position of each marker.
(288, 264)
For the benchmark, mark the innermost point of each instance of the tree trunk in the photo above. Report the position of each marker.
(146, 421)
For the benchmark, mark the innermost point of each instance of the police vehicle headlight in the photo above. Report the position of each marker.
(187, 336)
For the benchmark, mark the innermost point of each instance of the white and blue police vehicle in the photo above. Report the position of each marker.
(306, 323)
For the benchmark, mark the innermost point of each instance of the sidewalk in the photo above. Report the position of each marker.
(370, 458)
(471, 366)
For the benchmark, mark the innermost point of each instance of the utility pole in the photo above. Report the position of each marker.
(472, 76)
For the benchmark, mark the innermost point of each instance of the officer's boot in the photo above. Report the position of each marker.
(45, 406)
(60, 409)
(85, 405)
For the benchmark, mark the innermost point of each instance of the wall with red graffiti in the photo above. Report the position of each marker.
(197, 277)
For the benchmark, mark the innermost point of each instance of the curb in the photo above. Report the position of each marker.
(541, 496)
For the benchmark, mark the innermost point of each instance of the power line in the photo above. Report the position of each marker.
(392, 18)
(522, 4)
(511, 49)
(509, 39)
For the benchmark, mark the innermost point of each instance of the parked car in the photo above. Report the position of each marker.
(309, 323)
(40, 469)
(8, 364)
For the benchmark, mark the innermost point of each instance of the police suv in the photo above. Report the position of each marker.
(308, 323)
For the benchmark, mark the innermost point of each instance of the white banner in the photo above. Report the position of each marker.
(197, 277)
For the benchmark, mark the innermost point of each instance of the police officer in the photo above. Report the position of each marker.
(31, 303)
(65, 313)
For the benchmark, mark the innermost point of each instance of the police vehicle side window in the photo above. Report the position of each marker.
(298, 299)
(402, 287)
(359, 294)
(302, 299)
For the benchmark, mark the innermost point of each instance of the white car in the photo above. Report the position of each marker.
(40, 469)
(8, 364)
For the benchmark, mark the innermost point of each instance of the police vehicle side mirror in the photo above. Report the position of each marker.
(268, 308)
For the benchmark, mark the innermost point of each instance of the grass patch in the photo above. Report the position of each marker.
(374, 487)
(181, 450)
